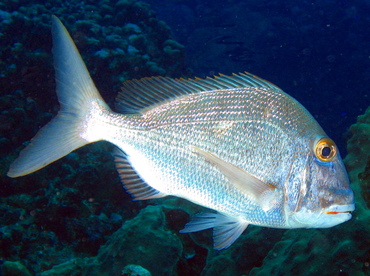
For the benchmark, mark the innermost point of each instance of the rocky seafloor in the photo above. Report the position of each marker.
(74, 218)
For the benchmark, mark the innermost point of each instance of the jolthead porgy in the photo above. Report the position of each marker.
(236, 144)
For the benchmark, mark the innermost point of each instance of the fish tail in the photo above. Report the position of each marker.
(80, 106)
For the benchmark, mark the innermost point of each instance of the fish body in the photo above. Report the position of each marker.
(237, 144)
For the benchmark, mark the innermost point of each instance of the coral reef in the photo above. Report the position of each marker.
(135, 270)
(63, 213)
(144, 241)
(72, 267)
(358, 158)
(14, 269)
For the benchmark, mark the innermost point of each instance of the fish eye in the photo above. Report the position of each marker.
(325, 149)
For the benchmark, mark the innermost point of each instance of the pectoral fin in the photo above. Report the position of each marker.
(225, 229)
(264, 194)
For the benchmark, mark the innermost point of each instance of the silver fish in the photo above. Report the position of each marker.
(236, 144)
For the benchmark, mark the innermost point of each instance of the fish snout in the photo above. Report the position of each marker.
(336, 214)
(324, 218)
(330, 198)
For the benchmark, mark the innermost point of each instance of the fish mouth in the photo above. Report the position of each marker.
(340, 209)
(324, 218)
(334, 215)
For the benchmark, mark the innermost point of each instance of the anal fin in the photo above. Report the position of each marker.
(226, 229)
(131, 181)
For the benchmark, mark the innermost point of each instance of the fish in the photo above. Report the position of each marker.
(237, 145)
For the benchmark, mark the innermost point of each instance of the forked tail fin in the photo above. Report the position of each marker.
(77, 95)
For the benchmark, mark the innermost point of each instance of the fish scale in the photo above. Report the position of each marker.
(201, 132)
(237, 145)
(179, 136)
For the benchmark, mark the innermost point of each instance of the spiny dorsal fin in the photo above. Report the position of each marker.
(131, 181)
(139, 94)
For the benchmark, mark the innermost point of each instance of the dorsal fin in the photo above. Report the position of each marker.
(131, 181)
(139, 94)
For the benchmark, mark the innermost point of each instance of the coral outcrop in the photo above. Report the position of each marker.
(145, 241)
(64, 213)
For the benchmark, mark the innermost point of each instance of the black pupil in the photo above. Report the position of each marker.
(326, 151)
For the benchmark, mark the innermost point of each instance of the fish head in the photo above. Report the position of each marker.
(323, 197)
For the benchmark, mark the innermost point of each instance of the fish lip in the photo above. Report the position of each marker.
(324, 218)
(335, 209)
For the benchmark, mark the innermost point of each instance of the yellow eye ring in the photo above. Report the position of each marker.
(325, 149)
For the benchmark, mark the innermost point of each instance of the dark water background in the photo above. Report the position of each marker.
(316, 51)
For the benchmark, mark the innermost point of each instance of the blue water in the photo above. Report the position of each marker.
(316, 51)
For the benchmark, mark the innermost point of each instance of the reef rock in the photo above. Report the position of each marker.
(135, 270)
(70, 268)
(145, 241)
(358, 158)
(59, 215)
(14, 269)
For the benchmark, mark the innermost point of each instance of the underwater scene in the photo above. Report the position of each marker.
(184, 153)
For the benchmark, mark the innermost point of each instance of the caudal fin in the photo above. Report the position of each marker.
(76, 93)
